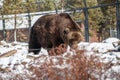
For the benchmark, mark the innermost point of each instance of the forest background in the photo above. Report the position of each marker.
(101, 19)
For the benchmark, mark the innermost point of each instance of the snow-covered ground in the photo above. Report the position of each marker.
(19, 62)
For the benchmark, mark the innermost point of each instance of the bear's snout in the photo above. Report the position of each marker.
(74, 38)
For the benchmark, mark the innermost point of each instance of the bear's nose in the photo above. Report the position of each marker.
(73, 43)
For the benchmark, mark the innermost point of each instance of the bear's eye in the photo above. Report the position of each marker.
(66, 31)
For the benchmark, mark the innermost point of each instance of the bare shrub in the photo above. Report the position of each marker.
(58, 50)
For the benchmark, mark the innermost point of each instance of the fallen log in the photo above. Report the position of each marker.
(117, 43)
(9, 53)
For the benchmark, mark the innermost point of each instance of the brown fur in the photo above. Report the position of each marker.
(51, 30)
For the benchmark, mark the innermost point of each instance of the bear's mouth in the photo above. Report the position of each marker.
(72, 38)
(73, 43)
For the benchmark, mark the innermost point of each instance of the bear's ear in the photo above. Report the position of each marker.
(65, 15)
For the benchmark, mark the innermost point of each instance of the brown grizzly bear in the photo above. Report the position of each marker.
(50, 31)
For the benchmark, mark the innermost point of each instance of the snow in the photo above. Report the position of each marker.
(22, 19)
(110, 40)
(16, 60)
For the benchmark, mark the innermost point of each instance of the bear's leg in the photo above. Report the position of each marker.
(34, 46)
